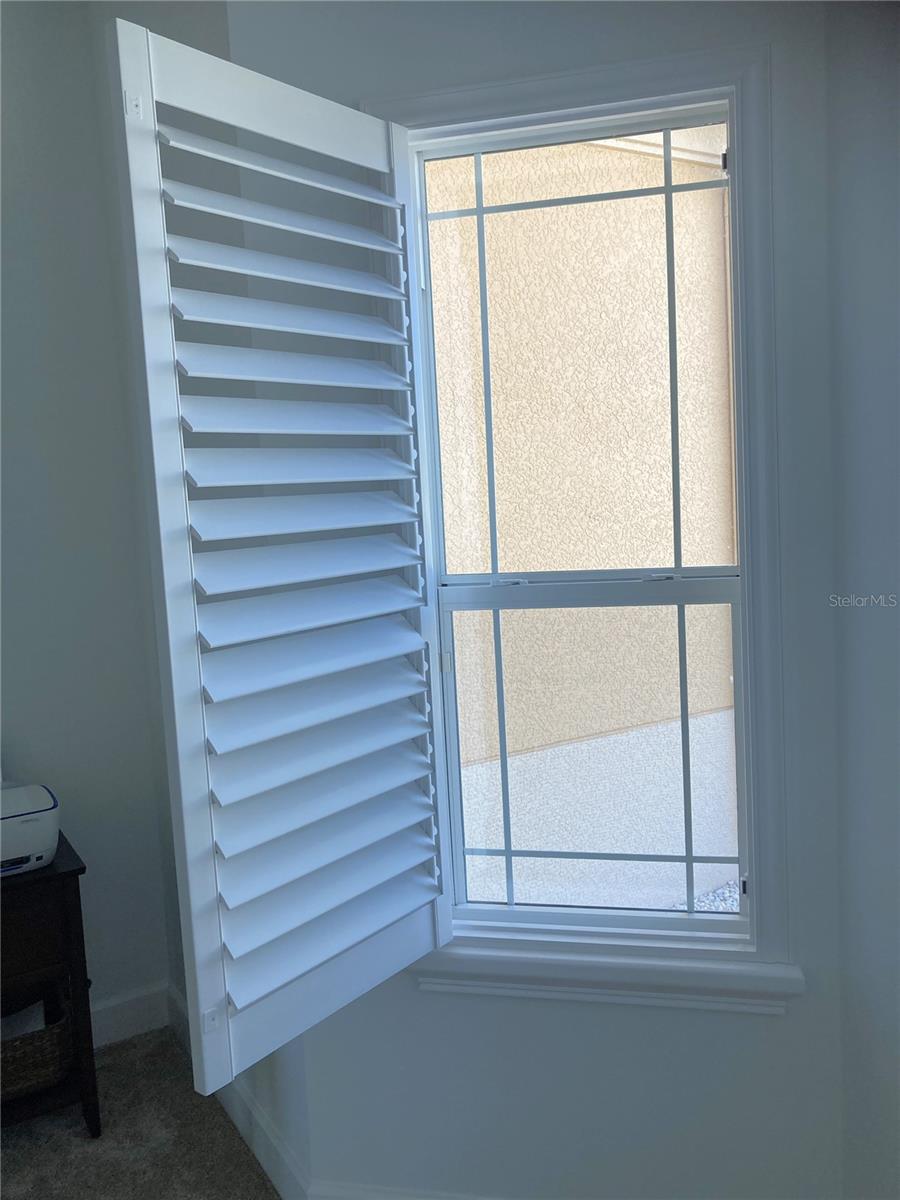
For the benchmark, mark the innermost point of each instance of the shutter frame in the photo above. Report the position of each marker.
(154, 358)
(409, 190)
(228, 1035)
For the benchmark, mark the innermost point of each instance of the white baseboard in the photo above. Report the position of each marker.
(128, 1013)
(321, 1189)
(288, 1173)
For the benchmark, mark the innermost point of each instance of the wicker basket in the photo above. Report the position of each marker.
(37, 1060)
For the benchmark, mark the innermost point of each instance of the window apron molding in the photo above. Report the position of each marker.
(551, 969)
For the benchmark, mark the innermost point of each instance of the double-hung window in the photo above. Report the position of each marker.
(446, 438)
(588, 537)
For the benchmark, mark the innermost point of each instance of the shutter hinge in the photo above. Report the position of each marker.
(725, 160)
(745, 885)
(134, 105)
(212, 1020)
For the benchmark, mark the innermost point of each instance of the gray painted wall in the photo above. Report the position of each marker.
(81, 707)
(864, 210)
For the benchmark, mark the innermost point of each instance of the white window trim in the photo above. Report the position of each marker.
(658, 967)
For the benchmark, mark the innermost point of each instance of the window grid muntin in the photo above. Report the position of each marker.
(701, 185)
(685, 720)
(504, 755)
(487, 393)
(701, 585)
(673, 378)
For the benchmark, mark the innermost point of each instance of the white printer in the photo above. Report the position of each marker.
(29, 828)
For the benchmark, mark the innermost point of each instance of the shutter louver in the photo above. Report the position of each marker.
(213, 309)
(224, 520)
(256, 264)
(289, 339)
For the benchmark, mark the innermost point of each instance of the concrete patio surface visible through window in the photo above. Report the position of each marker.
(620, 793)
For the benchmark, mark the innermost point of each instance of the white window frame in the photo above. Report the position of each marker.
(498, 590)
(739, 963)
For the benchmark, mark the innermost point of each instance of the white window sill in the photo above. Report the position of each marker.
(506, 967)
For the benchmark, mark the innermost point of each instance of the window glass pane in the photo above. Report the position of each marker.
(575, 169)
(485, 879)
(450, 184)
(711, 706)
(593, 729)
(479, 745)
(578, 321)
(598, 884)
(700, 234)
(457, 347)
(716, 887)
(697, 153)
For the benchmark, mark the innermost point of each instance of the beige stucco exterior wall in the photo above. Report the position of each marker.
(577, 305)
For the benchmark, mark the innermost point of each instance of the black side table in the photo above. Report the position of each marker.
(42, 946)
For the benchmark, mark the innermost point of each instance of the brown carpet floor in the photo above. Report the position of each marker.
(160, 1141)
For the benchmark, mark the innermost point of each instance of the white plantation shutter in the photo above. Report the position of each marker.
(272, 282)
